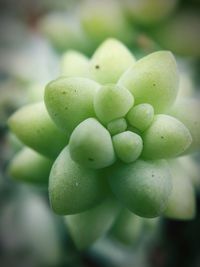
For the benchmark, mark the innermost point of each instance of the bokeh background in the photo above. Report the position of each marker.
(33, 37)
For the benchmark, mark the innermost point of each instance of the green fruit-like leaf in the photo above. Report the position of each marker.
(117, 126)
(69, 101)
(109, 61)
(128, 146)
(143, 186)
(141, 116)
(128, 227)
(73, 188)
(29, 166)
(154, 80)
(73, 63)
(33, 126)
(91, 145)
(187, 110)
(86, 227)
(112, 102)
(166, 137)
(181, 204)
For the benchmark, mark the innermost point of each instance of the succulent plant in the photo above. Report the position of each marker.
(112, 127)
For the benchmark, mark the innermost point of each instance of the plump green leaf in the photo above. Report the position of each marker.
(72, 187)
(187, 110)
(91, 145)
(109, 61)
(128, 146)
(33, 126)
(73, 63)
(141, 116)
(127, 228)
(69, 101)
(112, 102)
(181, 204)
(31, 167)
(86, 227)
(117, 126)
(154, 80)
(166, 137)
(143, 187)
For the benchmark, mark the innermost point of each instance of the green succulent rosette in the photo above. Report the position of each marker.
(106, 139)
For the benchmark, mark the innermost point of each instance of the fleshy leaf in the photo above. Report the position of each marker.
(154, 80)
(117, 126)
(191, 167)
(187, 110)
(69, 101)
(127, 228)
(167, 137)
(86, 227)
(128, 146)
(181, 204)
(143, 186)
(91, 145)
(109, 61)
(141, 116)
(29, 166)
(33, 126)
(112, 102)
(72, 187)
(73, 63)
